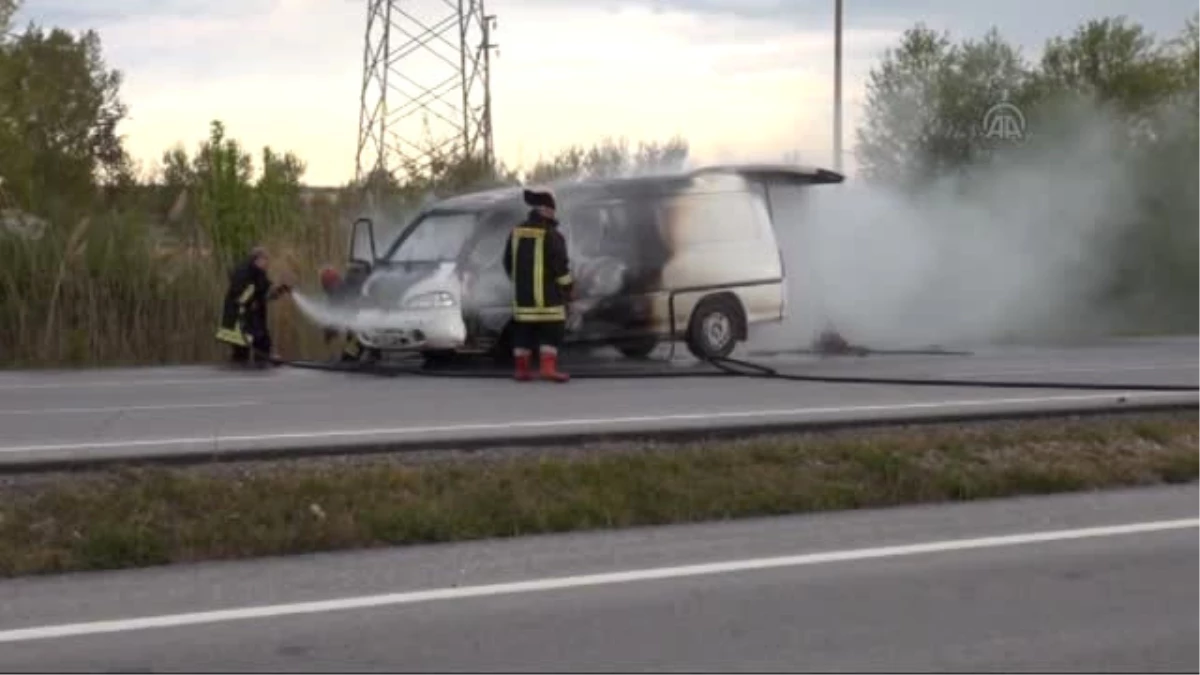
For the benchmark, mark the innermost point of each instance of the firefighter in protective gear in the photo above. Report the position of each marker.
(244, 315)
(535, 259)
(337, 290)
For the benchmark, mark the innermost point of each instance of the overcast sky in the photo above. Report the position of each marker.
(741, 79)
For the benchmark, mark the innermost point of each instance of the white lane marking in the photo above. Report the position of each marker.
(216, 439)
(79, 384)
(150, 382)
(579, 581)
(128, 408)
(1089, 369)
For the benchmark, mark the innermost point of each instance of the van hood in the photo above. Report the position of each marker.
(389, 288)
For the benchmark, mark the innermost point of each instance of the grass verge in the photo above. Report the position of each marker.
(129, 517)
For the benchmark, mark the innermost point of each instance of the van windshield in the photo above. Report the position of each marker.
(435, 238)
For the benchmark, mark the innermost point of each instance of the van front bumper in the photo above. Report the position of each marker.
(411, 330)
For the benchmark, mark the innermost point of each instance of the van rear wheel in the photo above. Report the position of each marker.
(715, 328)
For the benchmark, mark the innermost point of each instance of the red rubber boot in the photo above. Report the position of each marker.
(550, 369)
(524, 372)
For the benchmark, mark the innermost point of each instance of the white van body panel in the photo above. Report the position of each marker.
(723, 242)
(428, 315)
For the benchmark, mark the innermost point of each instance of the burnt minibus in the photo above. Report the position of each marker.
(689, 258)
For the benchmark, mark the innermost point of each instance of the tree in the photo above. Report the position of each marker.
(8, 9)
(567, 163)
(59, 111)
(900, 97)
(1109, 97)
(277, 190)
(927, 100)
(1186, 51)
(217, 194)
(176, 168)
(669, 155)
(443, 170)
(610, 158)
(224, 194)
(1111, 61)
(1158, 261)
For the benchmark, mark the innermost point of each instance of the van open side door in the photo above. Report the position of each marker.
(362, 252)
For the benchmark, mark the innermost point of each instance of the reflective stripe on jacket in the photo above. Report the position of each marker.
(535, 258)
(244, 313)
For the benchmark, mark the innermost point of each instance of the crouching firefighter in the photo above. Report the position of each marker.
(339, 291)
(244, 315)
(535, 259)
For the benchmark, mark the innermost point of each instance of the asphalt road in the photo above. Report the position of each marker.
(1086, 583)
(68, 416)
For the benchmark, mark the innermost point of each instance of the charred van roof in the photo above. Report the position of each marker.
(781, 173)
(723, 177)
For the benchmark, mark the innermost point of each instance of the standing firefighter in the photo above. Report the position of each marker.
(244, 316)
(535, 259)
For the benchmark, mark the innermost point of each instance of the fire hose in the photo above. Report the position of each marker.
(732, 367)
(830, 342)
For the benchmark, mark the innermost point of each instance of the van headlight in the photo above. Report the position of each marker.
(435, 300)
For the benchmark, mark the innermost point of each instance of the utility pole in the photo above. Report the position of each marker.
(837, 85)
(426, 87)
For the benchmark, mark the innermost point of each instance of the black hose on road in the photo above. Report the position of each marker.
(730, 367)
(496, 373)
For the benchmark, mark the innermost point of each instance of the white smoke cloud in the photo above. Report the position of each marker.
(1019, 249)
(322, 313)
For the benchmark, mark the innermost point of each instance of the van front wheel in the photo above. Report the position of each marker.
(715, 328)
(501, 351)
(439, 357)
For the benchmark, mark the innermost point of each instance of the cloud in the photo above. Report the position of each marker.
(100, 13)
(740, 78)
(741, 86)
(1027, 22)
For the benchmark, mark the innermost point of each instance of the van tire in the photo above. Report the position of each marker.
(502, 349)
(439, 357)
(717, 324)
(370, 355)
(637, 348)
